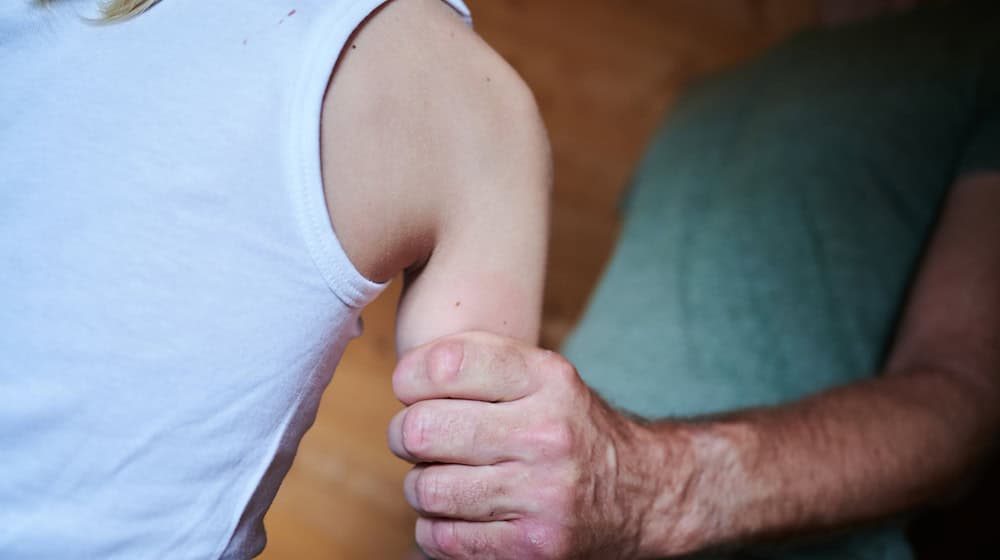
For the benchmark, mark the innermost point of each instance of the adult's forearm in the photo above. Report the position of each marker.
(518, 458)
(841, 458)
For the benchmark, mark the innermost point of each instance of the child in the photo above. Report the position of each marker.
(193, 213)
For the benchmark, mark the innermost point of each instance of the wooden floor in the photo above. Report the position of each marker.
(604, 73)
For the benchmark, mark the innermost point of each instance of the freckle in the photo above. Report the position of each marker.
(487, 78)
(354, 46)
(280, 21)
(291, 13)
(244, 41)
(458, 303)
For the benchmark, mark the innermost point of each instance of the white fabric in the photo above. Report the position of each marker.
(172, 297)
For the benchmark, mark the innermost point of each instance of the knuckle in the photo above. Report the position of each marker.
(445, 539)
(555, 439)
(546, 541)
(425, 539)
(417, 430)
(430, 490)
(559, 368)
(444, 361)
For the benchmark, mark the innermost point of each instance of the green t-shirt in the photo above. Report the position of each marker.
(779, 215)
(776, 221)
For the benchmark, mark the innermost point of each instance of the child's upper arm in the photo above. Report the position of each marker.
(487, 268)
(436, 162)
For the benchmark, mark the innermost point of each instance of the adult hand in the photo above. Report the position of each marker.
(516, 457)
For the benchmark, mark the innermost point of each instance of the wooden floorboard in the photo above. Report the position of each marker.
(604, 73)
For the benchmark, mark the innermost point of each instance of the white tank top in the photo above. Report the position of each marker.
(173, 299)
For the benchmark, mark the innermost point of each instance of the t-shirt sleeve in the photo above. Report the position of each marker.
(982, 153)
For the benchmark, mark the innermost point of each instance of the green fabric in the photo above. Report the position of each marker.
(777, 219)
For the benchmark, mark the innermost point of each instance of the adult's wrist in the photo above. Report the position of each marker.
(670, 524)
(701, 473)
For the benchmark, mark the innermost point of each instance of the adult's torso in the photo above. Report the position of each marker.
(778, 217)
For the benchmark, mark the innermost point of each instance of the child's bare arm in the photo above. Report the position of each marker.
(436, 162)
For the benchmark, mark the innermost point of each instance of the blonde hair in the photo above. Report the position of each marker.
(116, 10)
